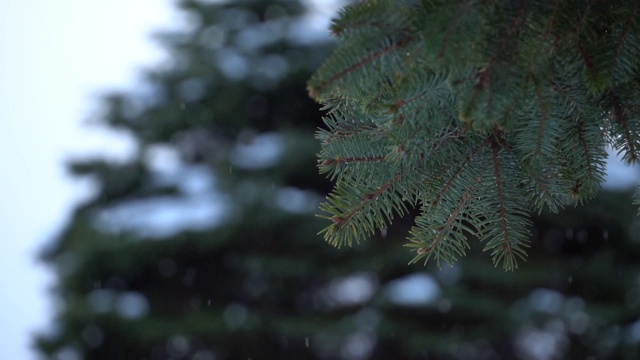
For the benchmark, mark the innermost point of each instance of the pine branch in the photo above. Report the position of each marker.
(357, 214)
(476, 111)
(630, 23)
(443, 240)
(444, 189)
(384, 16)
(507, 236)
(545, 188)
(538, 120)
(625, 130)
(584, 158)
(619, 37)
(320, 85)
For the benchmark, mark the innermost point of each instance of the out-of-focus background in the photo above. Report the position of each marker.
(158, 199)
(55, 59)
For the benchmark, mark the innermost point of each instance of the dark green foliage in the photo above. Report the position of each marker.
(479, 113)
(255, 281)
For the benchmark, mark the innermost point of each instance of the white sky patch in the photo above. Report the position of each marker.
(57, 56)
(198, 206)
(620, 176)
(298, 201)
(413, 290)
(166, 216)
(352, 290)
(163, 159)
(259, 152)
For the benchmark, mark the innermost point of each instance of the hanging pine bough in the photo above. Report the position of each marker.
(478, 112)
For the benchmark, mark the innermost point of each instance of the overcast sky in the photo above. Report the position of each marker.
(55, 59)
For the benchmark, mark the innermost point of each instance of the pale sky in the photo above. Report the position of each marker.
(55, 59)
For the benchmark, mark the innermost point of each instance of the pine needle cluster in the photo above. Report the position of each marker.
(478, 112)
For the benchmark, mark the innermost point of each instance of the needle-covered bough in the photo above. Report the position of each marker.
(478, 112)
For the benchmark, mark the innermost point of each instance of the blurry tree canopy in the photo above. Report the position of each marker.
(203, 245)
(479, 113)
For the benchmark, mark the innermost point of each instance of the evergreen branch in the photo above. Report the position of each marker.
(489, 75)
(626, 134)
(319, 86)
(506, 248)
(585, 148)
(444, 189)
(450, 30)
(537, 120)
(403, 103)
(344, 129)
(356, 214)
(421, 96)
(588, 63)
(340, 160)
(552, 19)
(582, 151)
(582, 38)
(479, 96)
(514, 26)
(348, 146)
(357, 16)
(619, 112)
(445, 240)
(346, 122)
(632, 17)
(336, 167)
(453, 25)
(546, 188)
(504, 230)
(541, 126)
(490, 109)
(417, 93)
(575, 105)
(384, 16)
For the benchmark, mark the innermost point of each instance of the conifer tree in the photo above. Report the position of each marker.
(261, 284)
(477, 112)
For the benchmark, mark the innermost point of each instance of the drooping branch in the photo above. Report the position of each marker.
(621, 119)
(510, 99)
(343, 220)
(442, 238)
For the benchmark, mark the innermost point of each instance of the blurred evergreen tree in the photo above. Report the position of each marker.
(203, 245)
